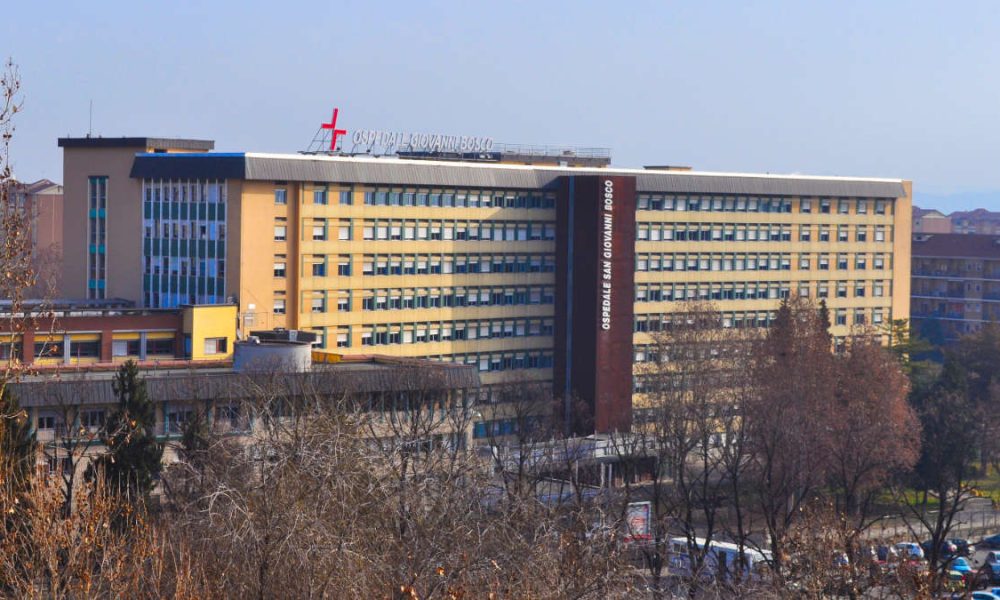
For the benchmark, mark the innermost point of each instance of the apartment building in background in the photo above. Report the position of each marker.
(955, 284)
(930, 221)
(979, 221)
(546, 272)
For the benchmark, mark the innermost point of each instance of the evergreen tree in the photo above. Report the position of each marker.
(17, 444)
(133, 460)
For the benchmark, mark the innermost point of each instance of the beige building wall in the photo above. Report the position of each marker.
(258, 252)
(902, 234)
(124, 221)
(124, 213)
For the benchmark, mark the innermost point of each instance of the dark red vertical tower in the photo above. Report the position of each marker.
(595, 262)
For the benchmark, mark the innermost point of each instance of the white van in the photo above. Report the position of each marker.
(722, 558)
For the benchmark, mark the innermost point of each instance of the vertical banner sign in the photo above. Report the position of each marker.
(595, 257)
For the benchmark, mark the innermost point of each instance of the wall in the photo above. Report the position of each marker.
(124, 221)
(202, 322)
(595, 259)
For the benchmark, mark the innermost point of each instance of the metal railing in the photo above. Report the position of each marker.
(553, 151)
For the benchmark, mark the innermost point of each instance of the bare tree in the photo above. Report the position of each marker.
(794, 378)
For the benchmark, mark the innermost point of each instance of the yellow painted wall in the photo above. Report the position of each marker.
(210, 321)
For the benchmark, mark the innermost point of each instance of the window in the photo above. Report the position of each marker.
(319, 196)
(230, 418)
(178, 419)
(48, 421)
(344, 231)
(805, 206)
(319, 267)
(92, 418)
(880, 207)
(841, 317)
(346, 197)
(89, 349)
(279, 266)
(842, 207)
(319, 230)
(317, 304)
(824, 262)
(124, 348)
(280, 233)
(879, 233)
(160, 346)
(279, 306)
(859, 289)
(281, 196)
(824, 206)
(215, 346)
(344, 265)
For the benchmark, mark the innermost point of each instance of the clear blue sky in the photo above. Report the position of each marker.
(886, 88)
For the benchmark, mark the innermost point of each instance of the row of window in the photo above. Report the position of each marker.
(419, 333)
(183, 266)
(184, 230)
(317, 301)
(318, 265)
(759, 261)
(653, 322)
(424, 264)
(754, 290)
(87, 349)
(706, 203)
(502, 361)
(320, 194)
(756, 232)
(396, 299)
(492, 230)
(459, 198)
(186, 190)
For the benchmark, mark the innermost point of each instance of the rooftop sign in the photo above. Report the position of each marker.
(388, 142)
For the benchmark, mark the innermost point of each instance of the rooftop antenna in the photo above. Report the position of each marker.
(90, 123)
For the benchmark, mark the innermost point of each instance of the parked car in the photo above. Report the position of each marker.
(964, 547)
(992, 542)
(910, 550)
(984, 595)
(991, 566)
(945, 551)
(960, 570)
(886, 554)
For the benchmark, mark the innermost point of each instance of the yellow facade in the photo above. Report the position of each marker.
(210, 330)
